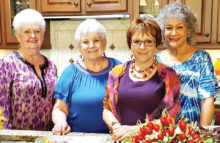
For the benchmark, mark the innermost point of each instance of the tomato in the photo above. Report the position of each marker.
(141, 137)
(169, 121)
(196, 137)
(156, 127)
(154, 140)
(182, 124)
(146, 141)
(150, 125)
(164, 131)
(163, 120)
(182, 136)
(160, 136)
(149, 131)
(171, 132)
(135, 139)
(174, 141)
(143, 130)
(193, 133)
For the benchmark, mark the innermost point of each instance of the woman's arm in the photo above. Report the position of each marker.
(208, 87)
(6, 78)
(109, 119)
(118, 131)
(207, 111)
(59, 116)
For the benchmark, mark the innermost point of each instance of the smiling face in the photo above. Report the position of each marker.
(144, 51)
(175, 33)
(30, 36)
(92, 46)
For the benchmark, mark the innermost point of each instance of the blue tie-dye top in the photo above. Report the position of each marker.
(197, 81)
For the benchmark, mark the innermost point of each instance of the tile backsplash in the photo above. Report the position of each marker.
(64, 46)
(62, 38)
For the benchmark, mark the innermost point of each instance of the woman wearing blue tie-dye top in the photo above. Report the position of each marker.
(198, 83)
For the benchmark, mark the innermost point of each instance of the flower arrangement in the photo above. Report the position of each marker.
(165, 130)
(1, 119)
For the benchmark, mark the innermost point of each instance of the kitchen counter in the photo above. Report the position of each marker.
(30, 136)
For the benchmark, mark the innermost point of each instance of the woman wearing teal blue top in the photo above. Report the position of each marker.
(198, 83)
(81, 88)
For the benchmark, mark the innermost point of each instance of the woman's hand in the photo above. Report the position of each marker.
(61, 128)
(119, 132)
(59, 117)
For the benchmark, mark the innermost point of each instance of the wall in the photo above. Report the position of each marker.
(62, 36)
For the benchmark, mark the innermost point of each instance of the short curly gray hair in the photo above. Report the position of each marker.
(179, 11)
(90, 25)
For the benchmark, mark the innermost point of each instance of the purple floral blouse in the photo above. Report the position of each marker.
(25, 98)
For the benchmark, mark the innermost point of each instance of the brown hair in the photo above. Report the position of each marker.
(144, 26)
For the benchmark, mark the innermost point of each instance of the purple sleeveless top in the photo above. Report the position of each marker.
(136, 99)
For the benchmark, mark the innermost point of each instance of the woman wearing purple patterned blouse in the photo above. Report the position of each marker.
(27, 78)
(141, 86)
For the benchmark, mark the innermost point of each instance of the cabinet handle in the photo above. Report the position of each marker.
(206, 34)
(89, 3)
(76, 3)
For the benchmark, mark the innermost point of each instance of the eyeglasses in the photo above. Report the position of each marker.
(137, 43)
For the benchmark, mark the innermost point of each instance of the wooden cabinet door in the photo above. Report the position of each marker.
(0, 26)
(203, 10)
(105, 5)
(10, 12)
(60, 6)
(218, 24)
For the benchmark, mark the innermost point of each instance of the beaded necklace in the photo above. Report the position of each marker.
(142, 74)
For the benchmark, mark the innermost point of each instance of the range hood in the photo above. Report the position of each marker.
(111, 16)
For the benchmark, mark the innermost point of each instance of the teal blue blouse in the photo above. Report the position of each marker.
(83, 91)
(197, 82)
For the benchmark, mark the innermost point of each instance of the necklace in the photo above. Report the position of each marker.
(142, 74)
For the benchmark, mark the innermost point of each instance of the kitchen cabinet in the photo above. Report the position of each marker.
(70, 7)
(4, 44)
(217, 114)
(218, 23)
(12, 7)
(208, 16)
(0, 29)
(106, 5)
(57, 6)
(9, 8)
(202, 8)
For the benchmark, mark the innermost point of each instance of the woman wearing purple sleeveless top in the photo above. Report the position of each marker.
(140, 86)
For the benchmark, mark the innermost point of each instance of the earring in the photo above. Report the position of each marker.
(80, 56)
(104, 55)
(188, 36)
(132, 57)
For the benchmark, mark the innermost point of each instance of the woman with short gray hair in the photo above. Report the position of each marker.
(81, 88)
(198, 83)
(27, 77)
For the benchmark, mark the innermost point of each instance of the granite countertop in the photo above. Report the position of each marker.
(31, 136)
